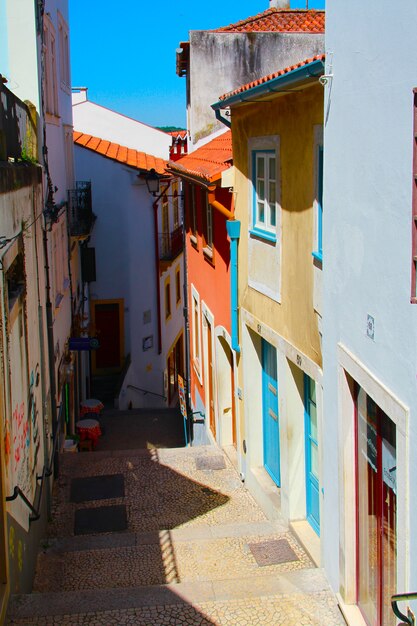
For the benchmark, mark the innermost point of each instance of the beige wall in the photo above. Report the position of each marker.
(292, 117)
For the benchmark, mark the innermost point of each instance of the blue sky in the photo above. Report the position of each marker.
(125, 52)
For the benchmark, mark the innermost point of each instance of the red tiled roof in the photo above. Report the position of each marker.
(177, 133)
(265, 79)
(280, 20)
(207, 162)
(133, 158)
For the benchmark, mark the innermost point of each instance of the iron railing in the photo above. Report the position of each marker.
(35, 508)
(80, 209)
(18, 138)
(146, 391)
(170, 244)
(401, 597)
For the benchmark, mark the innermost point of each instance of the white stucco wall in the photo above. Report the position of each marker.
(125, 262)
(98, 121)
(221, 62)
(367, 243)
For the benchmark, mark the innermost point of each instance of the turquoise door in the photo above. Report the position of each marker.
(270, 411)
(312, 454)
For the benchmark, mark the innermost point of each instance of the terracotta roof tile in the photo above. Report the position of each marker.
(207, 162)
(122, 154)
(280, 20)
(265, 79)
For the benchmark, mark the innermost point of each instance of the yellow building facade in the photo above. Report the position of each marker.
(277, 129)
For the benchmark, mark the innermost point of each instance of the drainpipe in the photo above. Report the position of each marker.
(233, 230)
(51, 351)
(158, 288)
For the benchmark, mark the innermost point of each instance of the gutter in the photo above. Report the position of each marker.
(315, 69)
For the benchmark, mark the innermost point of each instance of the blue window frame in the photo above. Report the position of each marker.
(265, 191)
(318, 252)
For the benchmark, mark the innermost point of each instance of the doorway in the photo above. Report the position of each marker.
(107, 317)
(270, 415)
(311, 455)
(376, 510)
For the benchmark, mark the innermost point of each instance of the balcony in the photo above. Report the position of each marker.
(18, 135)
(170, 245)
(80, 212)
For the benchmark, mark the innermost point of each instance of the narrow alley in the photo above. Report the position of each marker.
(157, 535)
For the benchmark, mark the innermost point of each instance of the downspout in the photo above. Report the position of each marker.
(51, 352)
(158, 287)
(233, 230)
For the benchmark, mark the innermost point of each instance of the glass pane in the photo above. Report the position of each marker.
(312, 390)
(314, 460)
(272, 168)
(313, 420)
(261, 190)
(261, 212)
(260, 169)
(272, 212)
(367, 481)
(272, 192)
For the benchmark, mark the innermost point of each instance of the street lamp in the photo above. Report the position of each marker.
(152, 182)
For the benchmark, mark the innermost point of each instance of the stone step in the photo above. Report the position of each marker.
(299, 595)
(169, 557)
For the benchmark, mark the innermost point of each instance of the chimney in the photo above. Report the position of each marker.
(79, 94)
(279, 4)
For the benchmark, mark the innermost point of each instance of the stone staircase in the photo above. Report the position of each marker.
(195, 550)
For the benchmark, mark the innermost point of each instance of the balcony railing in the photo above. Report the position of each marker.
(18, 138)
(80, 210)
(170, 244)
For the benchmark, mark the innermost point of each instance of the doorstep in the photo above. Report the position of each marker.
(308, 539)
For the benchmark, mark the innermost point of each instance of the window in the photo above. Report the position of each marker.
(207, 211)
(175, 209)
(196, 336)
(318, 218)
(64, 65)
(167, 300)
(177, 286)
(193, 214)
(264, 180)
(49, 51)
(60, 256)
(69, 159)
(165, 238)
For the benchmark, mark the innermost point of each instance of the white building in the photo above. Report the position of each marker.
(370, 316)
(135, 299)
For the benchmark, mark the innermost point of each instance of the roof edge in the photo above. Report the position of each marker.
(314, 69)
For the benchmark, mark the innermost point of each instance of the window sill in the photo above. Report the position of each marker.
(53, 118)
(263, 234)
(196, 366)
(208, 254)
(194, 241)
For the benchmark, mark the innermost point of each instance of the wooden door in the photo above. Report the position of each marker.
(108, 321)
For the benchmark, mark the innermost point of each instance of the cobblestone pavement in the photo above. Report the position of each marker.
(185, 557)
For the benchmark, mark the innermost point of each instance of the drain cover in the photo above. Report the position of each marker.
(210, 463)
(272, 552)
(97, 488)
(103, 519)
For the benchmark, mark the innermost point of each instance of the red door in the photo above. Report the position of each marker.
(108, 326)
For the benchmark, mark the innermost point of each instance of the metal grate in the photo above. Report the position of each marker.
(272, 552)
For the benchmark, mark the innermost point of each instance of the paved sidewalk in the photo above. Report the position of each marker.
(194, 551)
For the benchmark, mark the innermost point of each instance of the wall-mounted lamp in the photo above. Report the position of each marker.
(152, 182)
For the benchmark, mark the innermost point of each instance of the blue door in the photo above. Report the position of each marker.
(312, 454)
(270, 411)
